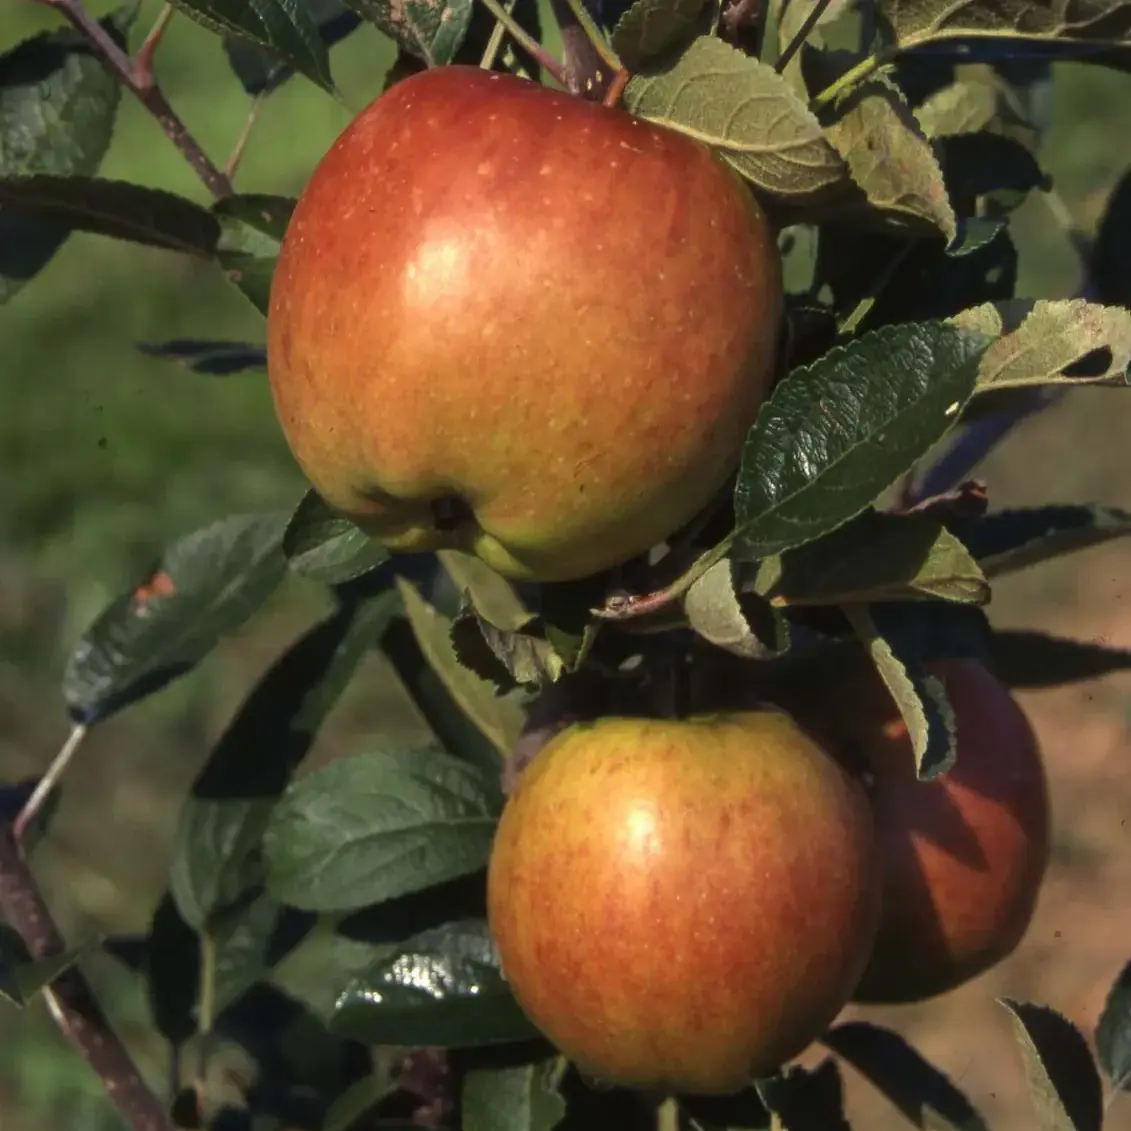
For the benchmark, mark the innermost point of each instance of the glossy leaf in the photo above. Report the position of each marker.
(251, 230)
(443, 988)
(205, 586)
(324, 545)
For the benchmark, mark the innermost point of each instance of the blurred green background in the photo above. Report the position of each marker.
(106, 454)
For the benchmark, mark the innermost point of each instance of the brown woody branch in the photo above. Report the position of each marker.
(70, 998)
(137, 76)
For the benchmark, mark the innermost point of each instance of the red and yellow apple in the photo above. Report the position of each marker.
(514, 322)
(682, 905)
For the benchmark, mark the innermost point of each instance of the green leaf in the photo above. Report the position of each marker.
(208, 356)
(834, 435)
(172, 972)
(721, 609)
(1111, 249)
(218, 843)
(1113, 1033)
(924, 1094)
(991, 168)
(512, 1098)
(1011, 540)
(430, 30)
(251, 231)
(23, 977)
(262, 73)
(921, 698)
(375, 826)
(118, 209)
(875, 556)
(1032, 659)
(1041, 343)
(204, 586)
(327, 546)
(58, 106)
(746, 112)
(649, 28)
(442, 989)
(355, 1101)
(1064, 1084)
(500, 719)
(284, 29)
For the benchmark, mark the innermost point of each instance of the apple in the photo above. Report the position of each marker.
(682, 905)
(513, 322)
(964, 854)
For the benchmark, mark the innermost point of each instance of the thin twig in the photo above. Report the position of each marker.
(236, 156)
(70, 999)
(142, 84)
(616, 88)
(143, 60)
(816, 11)
(526, 41)
(26, 816)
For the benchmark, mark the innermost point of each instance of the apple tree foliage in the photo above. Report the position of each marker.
(893, 141)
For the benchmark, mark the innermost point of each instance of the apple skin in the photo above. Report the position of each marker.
(681, 906)
(513, 322)
(964, 854)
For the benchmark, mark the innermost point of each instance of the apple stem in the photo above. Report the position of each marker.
(528, 43)
(616, 89)
(667, 1115)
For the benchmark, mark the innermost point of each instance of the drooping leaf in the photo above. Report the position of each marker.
(205, 586)
(1064, 1083)
(1113, 1033)
(1032, 659)
(251, 230)
(219, 838)
(118, 209)
(746, 112)
(284, 29)
(721, 610)
(23, 977)
(208, 356)
(989, 171)
(1040, 342)
(804, 1099)
(876, 556)
(355, 1101)
(924, 1094)
(889, 158)
(921, 698)
(650, 27)
(1110, 268)
(511, 1098)
(443, 988)
(375, 826)
(327, 546)
(431, 30)
(58, 106)
(260, 72)
(834, 435)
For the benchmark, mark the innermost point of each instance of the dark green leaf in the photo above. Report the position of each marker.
(218, 844)
(58, 105)
(1064, 1084)
(1011, 540)
(261, 73)
(284, 29)
(118, 209)
(834, 435)
(323, 544)
(650, 27)
(214, 358)
(442, 989)
(376, 826)
(1026, 658)
(511, 1098)
(989, 164)
(925, 1096)
(431, 30)
(172, 972)
(205, 586)
(1113, 1033)
(1111, 250)
(21, 976)
(251, 230)
(806, 1100)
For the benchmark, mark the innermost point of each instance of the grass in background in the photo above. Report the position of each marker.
(105, 455)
